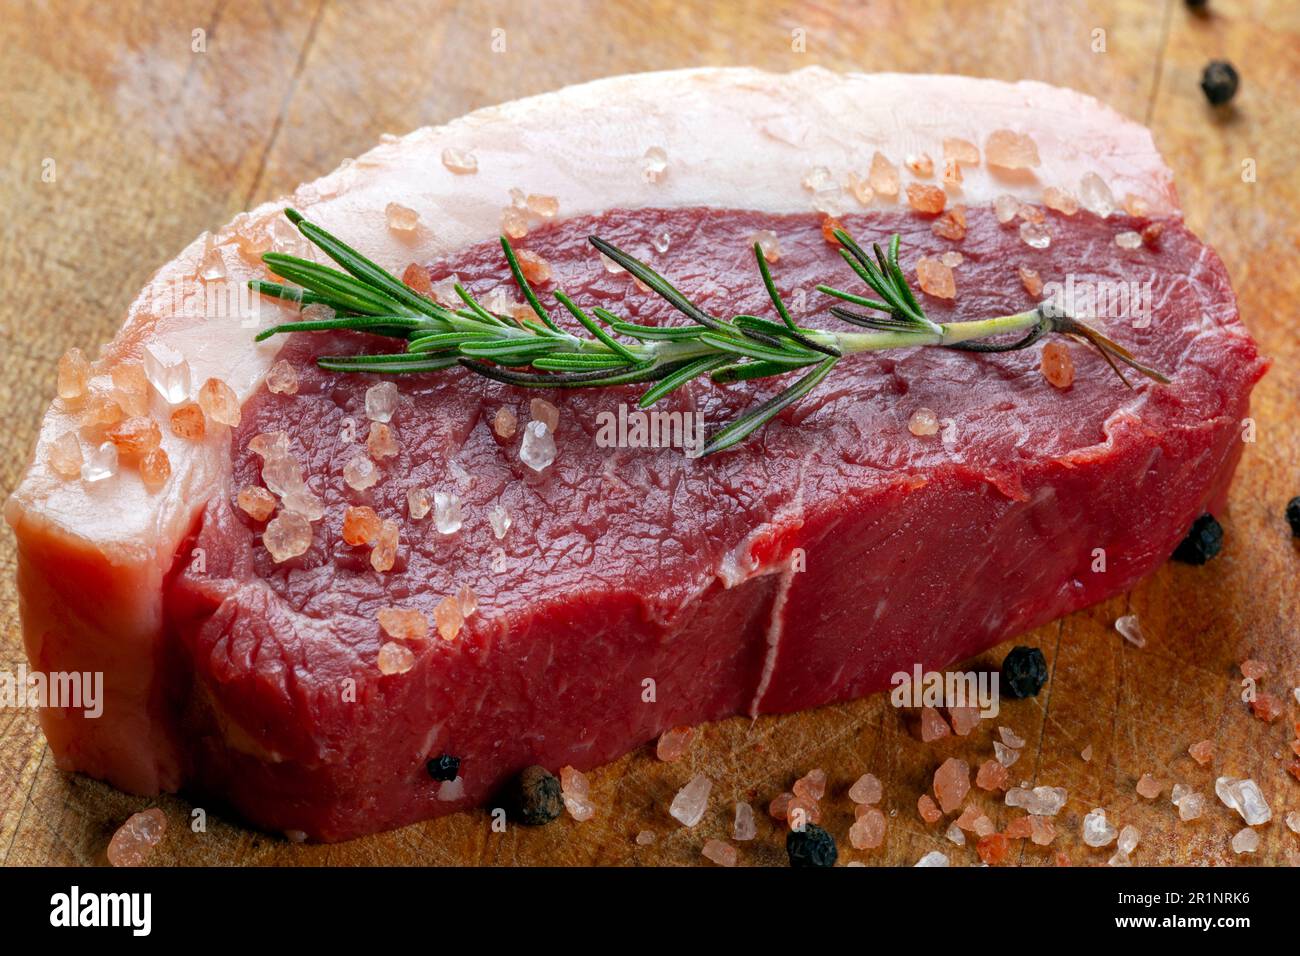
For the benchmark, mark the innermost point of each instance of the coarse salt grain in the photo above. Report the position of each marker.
(1096, 829)
(926, 199)
(155, 468)
(418, 502)
(923, 422)
(861, 189)
(644, 838)
(282, 379)
(535, 269)
(403, 623)
(360, 525)
(691, 801)
(883, 176)
(961, 151)
(1202, 751)
(1129, 628)
(467, 598)
(219, 402)
(743, 827)
(920, 164)
(381, 402)
(360, 473)
(674, 743)
(135, 437)
(168, 372)
(1008, 149)
(101, 464)
(1035, 235)
(1005, 208)
(135, 838)
(73, 373)
(447, 514)
(1245, 840)
(188, 422)
(654, 164)
(766, 240)
(462, 162)
(504, 423)
(256, 502)
(932, 859)
(1128, 239)
(448, 618)
(1095, 195)
(951, 225)
(1149, 787)
(952, 783)
(1058, 368)
(64, 455)
(811, 785)
(866, 789)
(1058, 199)
(381, 442)
(288, 535)
(537, 450)
(99, 411)
(395, 659)
(723, 854)
(384, 554)
(1031, 280)
(401, 218)
(935, 278)
(868, 830)
(130, 387)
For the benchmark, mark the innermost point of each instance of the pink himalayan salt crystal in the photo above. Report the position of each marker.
(868, 830)
(542, 206)
(951, 225)
(64, 455)
(1057, 366)
(360, 525)
(416, 277)
(883, 176)
(935, 278)
(282, 379)
(952, 783)
(927, 809)
(287, 536)
(961, 151)
(403, 623)
(743, 826)
(674, 743)
(969, 818)
(449, 618)
(543, 411)
(811, 786)
(1011, 738)
(926, 199)
(861, 189)
(992, 775)
(384, 554)
(1255, 670)
(1058, 199)
(779, 808)
(1130, 629)
(99, 412)
(1020, 828)
(395, 659)
(188, 422)
(933, 726)
(964, 719)
(866, 789)
(1149, 787)
(1266, 707)
(256, 502)
(134, 839)
(1008, 149)
(920, 164)
(1202, 751)
(923, 422)
(73, 373)
(1293, 821)
(418, 502)
(1031, 280)
(381, 402)
(535, 269)
(131, 387)
(135, 437)
(1086, 754)
(1031, 213)
(360, 473)
(723, 854)
(767, 241)
(467, 598)
(576, 793)
(155, 468)
(505, 423)
(514, 222)
(1005, 208)
(381, 441)
(952, 174)
(691, 801)
(401, 218)
(1043, 830)
(462, 162)
(952, 259)
(1006, 756)
(219, 402)
(645, 838)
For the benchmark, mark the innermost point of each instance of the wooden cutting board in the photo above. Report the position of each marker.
(157, 132)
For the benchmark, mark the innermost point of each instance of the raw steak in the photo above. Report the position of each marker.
(803, 567)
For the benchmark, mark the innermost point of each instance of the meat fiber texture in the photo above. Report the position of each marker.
(805, 567)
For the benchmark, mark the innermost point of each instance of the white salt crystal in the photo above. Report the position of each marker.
(1041, 801)
(1095, 196)
(1191, 807)
(1006, 756)
(1246, 840)
(167, 371)
(1035, 235)
(1128, 839)
(381, 402)
(1128, 239)
(1293, 821)
(1130, 630)
(417, 502)
(1119, 859)
(447, 516)
(500, 520)
(661, 241)
(1179, 791)
(654, 164)
(1011, 738)
(459, 161)
(1245, 797)
(956, 835)
(744, 827)
(537, 450)
(101, 464)
(692, 800)
(1096, 830)
(933, 858)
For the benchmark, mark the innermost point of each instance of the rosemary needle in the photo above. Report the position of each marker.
(540, 354)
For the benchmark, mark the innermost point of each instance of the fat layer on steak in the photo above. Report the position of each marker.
(631, 565)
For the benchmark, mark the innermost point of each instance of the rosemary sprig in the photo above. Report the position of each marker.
(540, 354)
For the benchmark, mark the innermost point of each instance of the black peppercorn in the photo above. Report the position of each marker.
(443, 767)
(533, 797)
(811, 846)
(1293, 515)
(1024, 672)
(1203, 541)
(1219, 81)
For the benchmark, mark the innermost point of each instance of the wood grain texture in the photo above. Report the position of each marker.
(153, 143)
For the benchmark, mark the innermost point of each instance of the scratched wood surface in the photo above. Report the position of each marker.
(153, 142)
